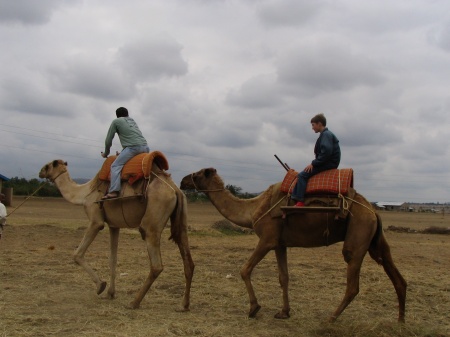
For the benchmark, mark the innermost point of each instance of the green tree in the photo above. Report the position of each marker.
(22, 186)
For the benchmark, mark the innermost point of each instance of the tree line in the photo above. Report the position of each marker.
(22, 186)
(194, 196)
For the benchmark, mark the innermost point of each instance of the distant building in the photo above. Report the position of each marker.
(2, 179)
(392, 205)
(6, 191)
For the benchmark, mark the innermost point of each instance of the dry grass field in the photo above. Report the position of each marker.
(43, 292)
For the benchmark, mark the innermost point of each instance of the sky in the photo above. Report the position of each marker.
(228, 84)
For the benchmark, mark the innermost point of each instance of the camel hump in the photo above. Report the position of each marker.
(335, 181)
(137, 167)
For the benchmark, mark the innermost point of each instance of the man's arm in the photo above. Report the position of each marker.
(109, 138)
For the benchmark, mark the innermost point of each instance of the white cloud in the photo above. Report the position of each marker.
(230, 83)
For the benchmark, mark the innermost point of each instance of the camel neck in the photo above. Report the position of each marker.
(70, 190)
(238, 211)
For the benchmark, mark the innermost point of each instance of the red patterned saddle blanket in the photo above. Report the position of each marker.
(136, 168)
(333, 181)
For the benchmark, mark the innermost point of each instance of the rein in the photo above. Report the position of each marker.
(42, 185)
(198, 190)
(26, 199)
(53, 180)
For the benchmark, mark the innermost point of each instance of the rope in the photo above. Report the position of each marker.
(270, 209)
(370, 209)
(195, 186)
(26, 199)
(165, 182)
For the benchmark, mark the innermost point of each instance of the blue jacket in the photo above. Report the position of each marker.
(327, 150)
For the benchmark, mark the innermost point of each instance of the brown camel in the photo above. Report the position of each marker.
(361, 231)
(149, 213)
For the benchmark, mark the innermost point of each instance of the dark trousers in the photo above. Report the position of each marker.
(298, 193)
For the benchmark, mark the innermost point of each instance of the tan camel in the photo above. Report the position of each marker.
(361, 232)
(149, 213)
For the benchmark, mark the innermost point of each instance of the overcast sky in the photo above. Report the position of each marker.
(228, 84)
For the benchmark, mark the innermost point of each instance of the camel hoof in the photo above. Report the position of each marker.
(132, 306)
(182, 310)
(101, 288)
(332, 319)
(253, 311)
(110, 296)
(282, 315)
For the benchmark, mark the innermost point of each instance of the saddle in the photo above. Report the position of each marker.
(334, 181)
(136, 168)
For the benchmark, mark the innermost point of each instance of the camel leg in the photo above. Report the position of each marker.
(381, 253)
(88, 238)
(283, 275)
(188, 269)
(258, 254)
(354, 262)
(152, 239)
(114, 243)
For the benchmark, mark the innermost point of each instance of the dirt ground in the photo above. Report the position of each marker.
(44, 293)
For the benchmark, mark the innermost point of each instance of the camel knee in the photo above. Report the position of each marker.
(142, 232)
(155, 271)
(245, 273)
(77, 259)
(348, 255)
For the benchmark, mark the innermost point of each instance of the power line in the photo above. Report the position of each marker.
(249, 167)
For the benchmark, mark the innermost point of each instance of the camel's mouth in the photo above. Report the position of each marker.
(43, 172)
(187, 183)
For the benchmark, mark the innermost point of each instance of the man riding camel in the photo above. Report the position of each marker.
(327, 153)
(132, 141)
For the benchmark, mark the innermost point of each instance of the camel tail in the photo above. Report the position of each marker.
(178, 218)
(377, 243)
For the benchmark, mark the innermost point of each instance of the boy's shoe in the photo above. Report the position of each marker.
(111, 195)
(300, 204)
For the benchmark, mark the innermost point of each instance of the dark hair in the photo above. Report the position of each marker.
(122, 112)
(319, 118)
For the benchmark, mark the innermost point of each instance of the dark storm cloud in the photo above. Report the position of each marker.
(171, 110)
(256, 93)
(87, 77)
(287, 13)
(28, 12)
(327, 67)
(152, 58)
(440, 36)
(226, 135)
(28, 96)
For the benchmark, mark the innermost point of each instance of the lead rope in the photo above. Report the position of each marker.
(165, 182)
(195, 186)
(345, 205)
(26, 199)
(270, 209)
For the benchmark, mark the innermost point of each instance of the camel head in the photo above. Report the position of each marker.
(53, 169)
(204, 180)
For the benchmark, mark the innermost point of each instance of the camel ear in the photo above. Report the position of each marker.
(209, 172)
(65, 163)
